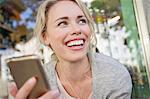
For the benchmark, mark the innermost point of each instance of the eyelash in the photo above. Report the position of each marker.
(65, 23)
(62, 23)
(84, 21)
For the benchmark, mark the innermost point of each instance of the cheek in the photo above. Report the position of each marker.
(56, 39)
(53, 41)
(87, 31)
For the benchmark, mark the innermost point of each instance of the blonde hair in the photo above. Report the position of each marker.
(42, 16)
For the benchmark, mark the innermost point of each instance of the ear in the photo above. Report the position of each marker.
(44, 38)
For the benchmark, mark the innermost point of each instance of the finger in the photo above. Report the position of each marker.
(51, 95)
(26, 88)
(12, 88)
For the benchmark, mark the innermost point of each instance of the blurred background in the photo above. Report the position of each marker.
(122, 28)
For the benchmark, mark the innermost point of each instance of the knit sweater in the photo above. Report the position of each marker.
(110, 79)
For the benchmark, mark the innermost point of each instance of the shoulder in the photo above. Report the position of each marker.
(107, 64)
(110, 74)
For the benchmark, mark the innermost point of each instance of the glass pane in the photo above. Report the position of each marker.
(118, 36)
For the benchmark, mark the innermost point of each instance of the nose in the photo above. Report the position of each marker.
(75, 29)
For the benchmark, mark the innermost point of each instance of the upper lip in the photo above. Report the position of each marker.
(74, 40)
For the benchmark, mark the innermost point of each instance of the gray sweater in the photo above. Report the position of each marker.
(111, 80)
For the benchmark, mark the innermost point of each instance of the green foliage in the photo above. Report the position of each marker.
(107, 5)
(98, 4)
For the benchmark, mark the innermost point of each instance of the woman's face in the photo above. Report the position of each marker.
(67, 31)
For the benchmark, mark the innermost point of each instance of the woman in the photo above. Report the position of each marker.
(75, 72)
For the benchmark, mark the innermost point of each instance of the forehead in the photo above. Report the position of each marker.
(65, 8)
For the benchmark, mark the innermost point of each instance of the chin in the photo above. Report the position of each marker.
(76, 57)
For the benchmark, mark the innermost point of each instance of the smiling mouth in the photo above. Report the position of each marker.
(75, 43)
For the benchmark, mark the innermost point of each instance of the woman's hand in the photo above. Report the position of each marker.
(25, 90)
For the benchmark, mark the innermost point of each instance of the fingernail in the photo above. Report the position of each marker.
(31, 80)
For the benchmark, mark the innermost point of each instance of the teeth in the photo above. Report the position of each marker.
(73, 43)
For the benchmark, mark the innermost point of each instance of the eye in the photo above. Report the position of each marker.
(82, 21)
(62, 24)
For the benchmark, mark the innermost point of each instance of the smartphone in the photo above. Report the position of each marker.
(24, 67)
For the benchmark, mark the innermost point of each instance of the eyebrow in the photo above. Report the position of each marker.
(65, 17)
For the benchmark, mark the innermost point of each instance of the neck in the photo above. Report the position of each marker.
(73, 71)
